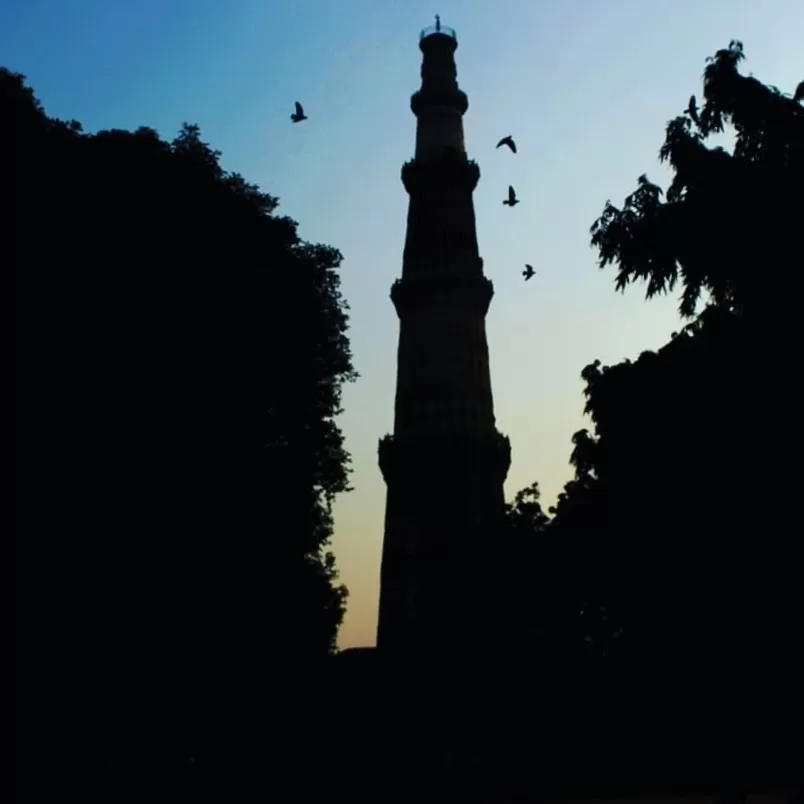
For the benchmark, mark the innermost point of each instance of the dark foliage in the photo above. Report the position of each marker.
(730, 220)
(544, 605)
(677, 521)
(526, 553)
(181, 354)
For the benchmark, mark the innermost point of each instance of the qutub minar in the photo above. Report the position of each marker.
(445, 463)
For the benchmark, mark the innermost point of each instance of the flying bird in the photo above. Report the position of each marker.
(512, 199)
(509, 141)
(299, 114)
(528, 272)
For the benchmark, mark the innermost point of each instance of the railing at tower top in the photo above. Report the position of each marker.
(430, 30)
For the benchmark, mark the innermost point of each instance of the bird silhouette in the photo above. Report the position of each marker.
(692, 109)
(512, 199)
(299, 114)
(509, 141)
(528, 272)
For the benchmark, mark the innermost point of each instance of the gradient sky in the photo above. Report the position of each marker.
(585, 86)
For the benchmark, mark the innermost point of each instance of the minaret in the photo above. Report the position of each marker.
(445, 463)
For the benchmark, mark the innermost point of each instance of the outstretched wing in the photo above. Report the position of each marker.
(299, 109)
(509, 141)
(511, 193)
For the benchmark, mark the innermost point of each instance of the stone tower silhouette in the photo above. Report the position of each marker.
(445, 464)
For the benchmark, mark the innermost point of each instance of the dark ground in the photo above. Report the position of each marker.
(361, 728)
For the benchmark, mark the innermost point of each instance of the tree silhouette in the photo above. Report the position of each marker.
(550, 609)
(181, 353)
(672, 523)
(525, 513)
(728, 217)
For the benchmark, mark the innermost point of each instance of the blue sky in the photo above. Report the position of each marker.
(585, 86)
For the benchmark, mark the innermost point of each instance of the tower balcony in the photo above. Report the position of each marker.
(438, 29)
(453, 171)
(411, 292)
(429, 457)
(430, 95)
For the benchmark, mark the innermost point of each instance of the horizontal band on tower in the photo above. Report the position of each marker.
(451, 171)
(428, 97)
(411, 292)
(422, 456)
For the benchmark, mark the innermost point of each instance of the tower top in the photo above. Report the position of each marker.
(437, 30)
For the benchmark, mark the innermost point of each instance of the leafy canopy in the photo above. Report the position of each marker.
(728, 217)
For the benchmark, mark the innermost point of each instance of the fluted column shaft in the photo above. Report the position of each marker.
(445, 463)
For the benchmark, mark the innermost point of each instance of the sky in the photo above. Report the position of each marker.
(586, 87)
